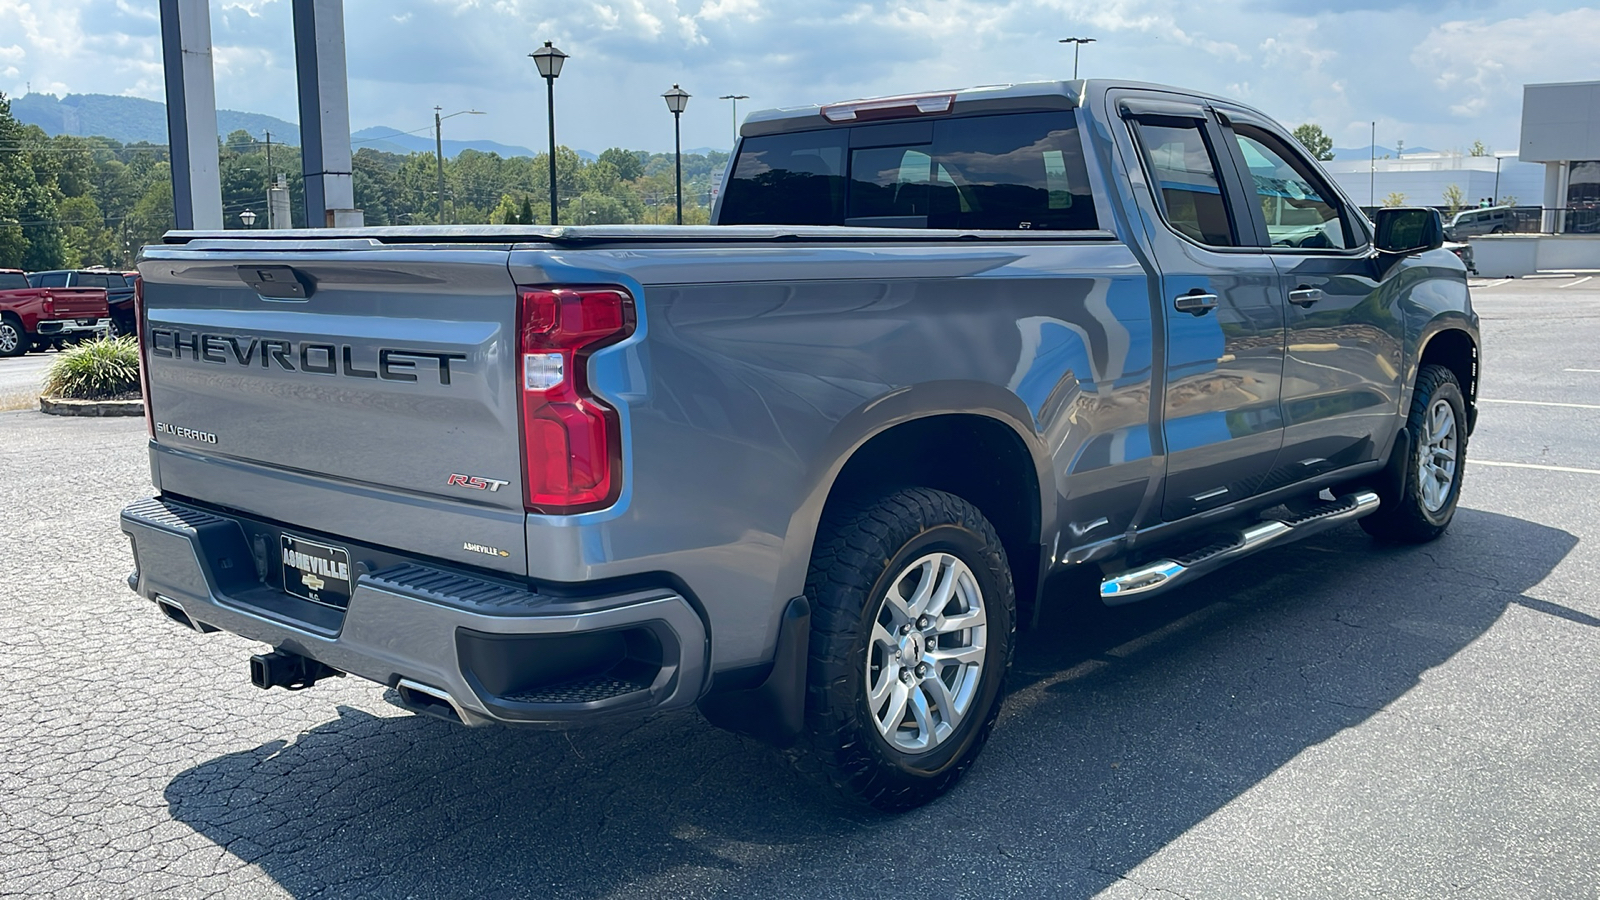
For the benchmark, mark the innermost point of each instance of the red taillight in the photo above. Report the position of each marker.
(571, 441)
(144, 353)
(49, 307)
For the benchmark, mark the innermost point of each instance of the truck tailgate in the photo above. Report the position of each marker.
(78, 303)
(367, 394)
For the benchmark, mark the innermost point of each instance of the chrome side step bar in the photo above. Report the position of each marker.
(1146, 581)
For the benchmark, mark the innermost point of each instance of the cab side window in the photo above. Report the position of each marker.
(1299, 211)
(1185, 174)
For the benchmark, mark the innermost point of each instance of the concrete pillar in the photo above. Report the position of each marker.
(278, 214)
(324, 113)
(1555, 197)
(191, 113)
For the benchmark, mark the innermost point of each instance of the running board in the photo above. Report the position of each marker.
(1146, 581)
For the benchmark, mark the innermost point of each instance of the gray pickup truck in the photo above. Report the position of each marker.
(807, 468)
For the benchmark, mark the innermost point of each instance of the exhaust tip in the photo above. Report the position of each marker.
(429, 701)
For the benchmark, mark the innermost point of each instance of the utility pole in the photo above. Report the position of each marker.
(438, 147)
(270, 223)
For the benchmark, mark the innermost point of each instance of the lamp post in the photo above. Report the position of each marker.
(549, 61)
(735, 98)
(438, 147)
(1077, 44)
(677, 99)
(248, 217)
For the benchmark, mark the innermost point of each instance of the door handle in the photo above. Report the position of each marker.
(1305, 296)
(1195, 303)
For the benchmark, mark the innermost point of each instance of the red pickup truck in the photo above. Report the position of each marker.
(35, 313)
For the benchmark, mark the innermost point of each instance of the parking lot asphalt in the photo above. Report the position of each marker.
(21, 377)
(1330, 719)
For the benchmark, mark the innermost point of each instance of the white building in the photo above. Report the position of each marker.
(1423, 178)
(1561, 128)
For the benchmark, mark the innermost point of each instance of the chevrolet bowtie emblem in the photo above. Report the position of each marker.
(311, 581)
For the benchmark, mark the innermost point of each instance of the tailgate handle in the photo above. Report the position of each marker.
(278, 282)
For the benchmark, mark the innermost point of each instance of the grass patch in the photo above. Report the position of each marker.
(103, 369)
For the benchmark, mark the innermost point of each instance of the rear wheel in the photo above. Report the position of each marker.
(13, 340)
(1422, 484)
(912, 627)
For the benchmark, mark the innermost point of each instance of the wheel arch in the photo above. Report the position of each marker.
(974, 441)
(1457, 350)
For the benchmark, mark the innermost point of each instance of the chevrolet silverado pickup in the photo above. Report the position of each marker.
(37, 313)
(807, 468)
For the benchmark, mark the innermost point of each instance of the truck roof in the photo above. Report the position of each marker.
(993, 98)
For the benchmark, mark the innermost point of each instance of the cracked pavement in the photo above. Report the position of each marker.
(1331, 719)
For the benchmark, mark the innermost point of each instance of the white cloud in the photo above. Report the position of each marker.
(1426, 80)
(1484, 63)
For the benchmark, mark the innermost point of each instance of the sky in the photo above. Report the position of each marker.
(1437, 73)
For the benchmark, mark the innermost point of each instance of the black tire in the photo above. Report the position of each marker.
(863, 549)
(14, 341)
(1405, 514)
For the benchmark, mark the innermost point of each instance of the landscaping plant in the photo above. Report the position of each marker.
(100, 369)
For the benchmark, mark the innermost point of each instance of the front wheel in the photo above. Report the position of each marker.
(912, 627)
(1422, 484)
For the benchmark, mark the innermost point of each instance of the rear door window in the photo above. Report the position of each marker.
(1010, 172)
(1185, 174)
(49, 279)
(11, 281)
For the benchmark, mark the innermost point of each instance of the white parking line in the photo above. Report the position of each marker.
(1511, 465)
(1591, 371)
(1578, 282)
(1541, 403)
(1485, 285)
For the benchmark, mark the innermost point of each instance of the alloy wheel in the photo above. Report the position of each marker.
(926, 653)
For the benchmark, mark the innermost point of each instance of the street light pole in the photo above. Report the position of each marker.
(735, 98)
(677, 99)
(1077, 44)
(549, 61)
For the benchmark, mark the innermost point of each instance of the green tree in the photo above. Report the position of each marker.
(626, 163)
(1454, 198)
(1478, 149)
(1319, 145)
(1395, 199)
(526, 216)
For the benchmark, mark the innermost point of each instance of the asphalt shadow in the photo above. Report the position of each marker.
(1124, 728)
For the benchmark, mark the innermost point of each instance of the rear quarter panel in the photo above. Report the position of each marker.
(758, 370)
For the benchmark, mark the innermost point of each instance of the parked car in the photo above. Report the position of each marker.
(36, 313)
(1478, 222)
(807, 468)
(1463, 252)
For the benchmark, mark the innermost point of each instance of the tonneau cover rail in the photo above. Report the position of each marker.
(508, 235)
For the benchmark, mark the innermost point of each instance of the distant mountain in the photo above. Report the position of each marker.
(1346, 154)
(131, 119)
(390, 140)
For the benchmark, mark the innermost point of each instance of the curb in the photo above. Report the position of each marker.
(63, 407)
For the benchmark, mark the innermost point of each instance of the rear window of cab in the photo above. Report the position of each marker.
(1016, 171)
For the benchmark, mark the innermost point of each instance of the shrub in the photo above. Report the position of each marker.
(95, 370)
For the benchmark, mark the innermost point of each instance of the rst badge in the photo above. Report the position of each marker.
(475, 483)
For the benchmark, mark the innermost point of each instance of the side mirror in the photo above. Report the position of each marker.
(1406, 230)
